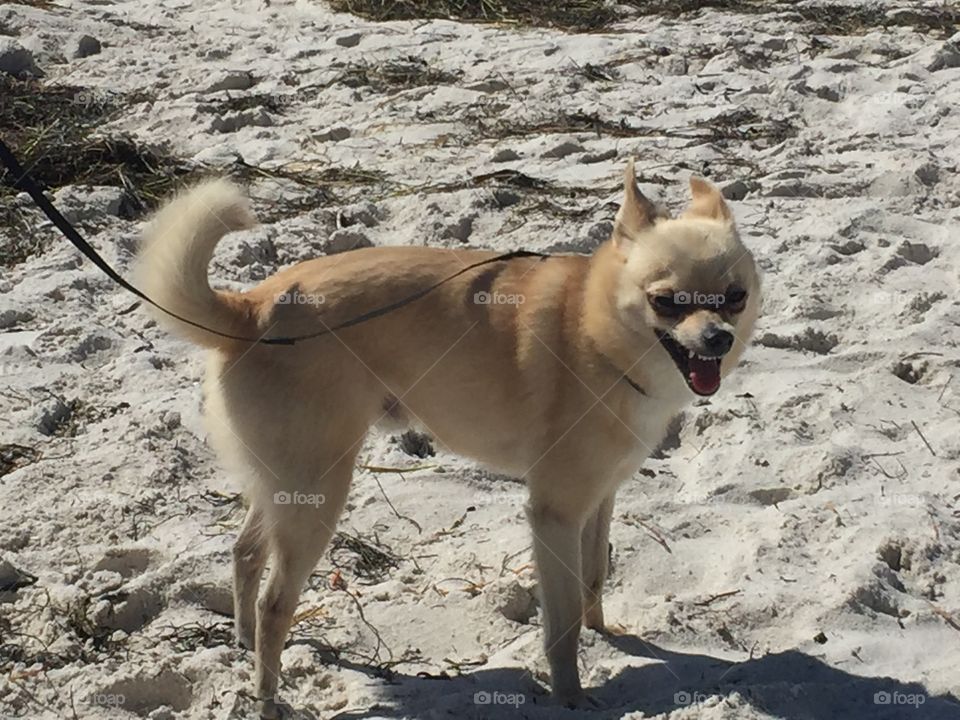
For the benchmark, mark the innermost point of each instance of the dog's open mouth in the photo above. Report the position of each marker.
(701, 373)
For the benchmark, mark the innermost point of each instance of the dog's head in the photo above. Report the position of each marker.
(687, 285)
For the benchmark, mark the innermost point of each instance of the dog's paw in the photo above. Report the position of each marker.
(598, 625)
(593, 618)
(246, 637)
(268, 710)
(613, 629)
(581, 701)
(274, 710)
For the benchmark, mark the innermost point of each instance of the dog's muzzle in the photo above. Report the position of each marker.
(700, 371)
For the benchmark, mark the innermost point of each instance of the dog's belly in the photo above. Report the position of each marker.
(536, 419)
(523, 434)
(484, 429)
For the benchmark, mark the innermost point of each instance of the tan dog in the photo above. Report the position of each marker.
(563, 371)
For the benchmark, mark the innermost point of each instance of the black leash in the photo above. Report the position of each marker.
(21, 180)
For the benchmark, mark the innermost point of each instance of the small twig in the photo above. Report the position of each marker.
(718, 596)
(308, 614)
(876, 455)
(373, 629)
(888, 475)
(395, 511)
(458, 665)
(449, 531)
(917, 428)
(944, 388)
(508, 558)
(399, 471)
(946, 616)
(655, 534)
(473, 588)
(833, 508)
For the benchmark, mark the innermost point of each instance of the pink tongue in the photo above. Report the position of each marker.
(704, 375)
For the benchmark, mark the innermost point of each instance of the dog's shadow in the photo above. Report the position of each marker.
(789, 685)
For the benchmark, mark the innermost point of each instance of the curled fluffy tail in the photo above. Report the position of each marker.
(172, 265)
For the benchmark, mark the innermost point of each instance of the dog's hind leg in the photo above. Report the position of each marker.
(595, 555)
(298, 534)
(249, 558)
(556, 547)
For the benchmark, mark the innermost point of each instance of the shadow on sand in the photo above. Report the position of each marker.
(788, 685)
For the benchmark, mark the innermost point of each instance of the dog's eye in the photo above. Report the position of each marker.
(735, 298)
(666, 304)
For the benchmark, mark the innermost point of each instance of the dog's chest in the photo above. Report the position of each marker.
(646, 427)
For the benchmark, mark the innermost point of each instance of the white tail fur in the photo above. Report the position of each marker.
(172, 265)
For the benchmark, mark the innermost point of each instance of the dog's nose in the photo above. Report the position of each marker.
(717, 340)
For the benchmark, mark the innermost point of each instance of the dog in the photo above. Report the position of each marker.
(569, 385)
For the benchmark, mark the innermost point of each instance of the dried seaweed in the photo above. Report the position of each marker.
(367, 558)
(52, 131)
(190, 637)
(13, 456)
(395, 74)
(597, 15)
(44, 4)
(572, 15)
(741, 124)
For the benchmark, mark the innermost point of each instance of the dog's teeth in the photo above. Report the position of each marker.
(691, 353)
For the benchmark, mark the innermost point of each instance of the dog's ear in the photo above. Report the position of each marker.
(707, 201)
(636, 213)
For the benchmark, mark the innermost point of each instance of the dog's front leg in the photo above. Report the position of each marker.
(595, 554)
(556, 547)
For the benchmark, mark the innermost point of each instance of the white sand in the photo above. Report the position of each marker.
(816, 493)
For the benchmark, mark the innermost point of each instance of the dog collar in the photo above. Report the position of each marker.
(634, 385)
(623, 376)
